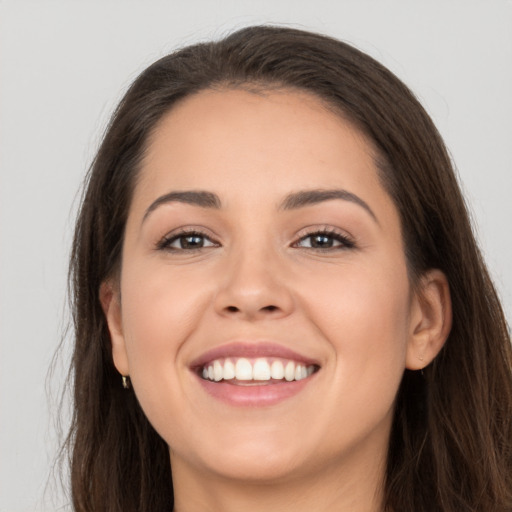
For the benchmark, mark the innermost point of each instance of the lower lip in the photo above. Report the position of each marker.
(254, 395)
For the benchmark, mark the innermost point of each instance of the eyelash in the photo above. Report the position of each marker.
(344, 241)
(165, 243)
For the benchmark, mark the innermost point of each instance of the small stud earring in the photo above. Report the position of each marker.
(420, 357)
(126, 382)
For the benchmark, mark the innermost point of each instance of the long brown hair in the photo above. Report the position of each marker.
(451, 441)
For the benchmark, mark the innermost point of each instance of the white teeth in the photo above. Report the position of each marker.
(229, 370)
(277, 370)
(243, 369)
(289, 371)
(217, 371)
(260, 370)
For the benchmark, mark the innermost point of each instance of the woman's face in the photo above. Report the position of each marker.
(265, 311)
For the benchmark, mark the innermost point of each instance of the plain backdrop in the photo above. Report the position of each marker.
(64, 65)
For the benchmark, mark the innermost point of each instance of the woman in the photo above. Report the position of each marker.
(278, 299)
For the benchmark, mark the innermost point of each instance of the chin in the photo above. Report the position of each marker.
(258, 459)
(257, 467)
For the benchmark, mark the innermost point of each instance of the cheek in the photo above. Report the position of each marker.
(160, 310)
(364, 313)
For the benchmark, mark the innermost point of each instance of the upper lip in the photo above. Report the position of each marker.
(251, 350)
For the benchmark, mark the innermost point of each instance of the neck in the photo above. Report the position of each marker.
(358, 488)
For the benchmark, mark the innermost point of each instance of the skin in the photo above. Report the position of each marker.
(351, 308)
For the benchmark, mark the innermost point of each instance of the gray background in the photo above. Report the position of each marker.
(64, 65)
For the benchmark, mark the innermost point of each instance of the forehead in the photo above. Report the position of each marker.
(254, 146)
(248, 128)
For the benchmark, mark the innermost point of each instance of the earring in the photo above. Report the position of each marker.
(126, 381)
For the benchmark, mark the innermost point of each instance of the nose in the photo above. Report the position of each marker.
(254, 287)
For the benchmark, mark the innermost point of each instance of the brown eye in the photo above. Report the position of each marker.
(191, 242)
(325, 241)
(322, 241)
(186, 242)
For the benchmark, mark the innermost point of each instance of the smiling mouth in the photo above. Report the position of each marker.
(244, 371)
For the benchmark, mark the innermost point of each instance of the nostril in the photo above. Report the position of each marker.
(234, 309)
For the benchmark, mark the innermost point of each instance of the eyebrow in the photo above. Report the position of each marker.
(293, 201)
(199, 198)
(312, 197)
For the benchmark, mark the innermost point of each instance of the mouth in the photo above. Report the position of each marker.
(253, 374)
(260, 371)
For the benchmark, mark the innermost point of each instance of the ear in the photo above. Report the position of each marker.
(431, 320)
(111, 304)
